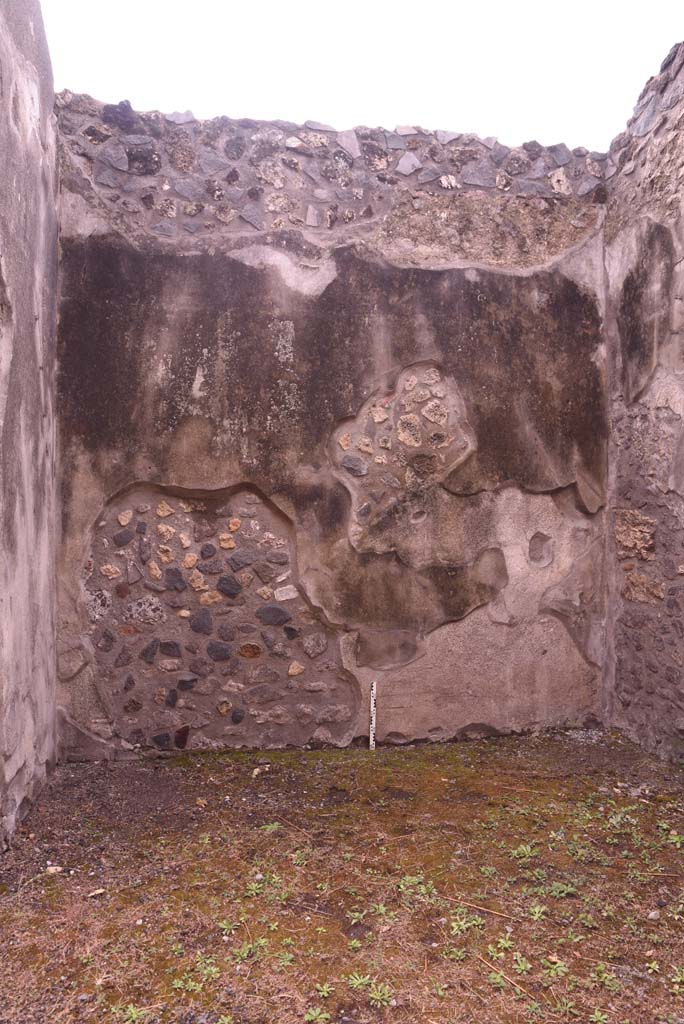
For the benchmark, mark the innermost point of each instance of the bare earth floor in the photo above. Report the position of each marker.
(499, 881)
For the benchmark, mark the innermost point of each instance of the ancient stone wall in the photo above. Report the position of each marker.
(382, 354)
(28, 513)
(335, 408)
(644, 258)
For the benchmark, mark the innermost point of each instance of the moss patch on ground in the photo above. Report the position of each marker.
(537, 879)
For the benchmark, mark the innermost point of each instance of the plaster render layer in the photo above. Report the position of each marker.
(335, 408)
(435, 441)
(28, 312)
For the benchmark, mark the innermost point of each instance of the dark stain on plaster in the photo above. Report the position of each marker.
(644, 310)
(153, 341)
(520, 349)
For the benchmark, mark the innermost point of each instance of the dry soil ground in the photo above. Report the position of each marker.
(503, 881)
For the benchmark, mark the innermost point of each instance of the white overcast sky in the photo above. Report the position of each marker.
(517, 69)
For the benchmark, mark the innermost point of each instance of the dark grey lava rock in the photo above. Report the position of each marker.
(218, 651)
(149, 651)
(162, 740)
(201, 621)
(124, 657)
(187, 684)
(355, 465)
(278, 557)
(123, 537)
(241, 559)
(212, 567)
(174, 579)
(180, 737)
(228, 585)
(273, 615)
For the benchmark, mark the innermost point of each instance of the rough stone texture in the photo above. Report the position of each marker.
(421, 398)
(203, 186)
(644, 256)
(335, 407)
(206, 639)
(28, 517)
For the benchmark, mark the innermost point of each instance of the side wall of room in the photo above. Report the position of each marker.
(28, 316)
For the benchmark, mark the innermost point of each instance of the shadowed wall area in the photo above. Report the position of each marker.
(336, 408)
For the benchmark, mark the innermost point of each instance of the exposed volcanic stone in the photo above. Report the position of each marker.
(106, 641)
(123, 537)
(211, 568)
(114, 155)
(278, 557)
(180, 737)
(163, 741)
(314, 644)
(121, 115)
(262, 674)
(561, 154)
(170, 648)
(249, 650)
(355, 465)
(237, 715)
(186, 684)
(149, 651)
(273, 615)
(124, 657)
(171, 698)
(201, 621)
(133, 574)
(226, 632)
(265, 572)
(143, 159)
(241, 559)
(201, 667)
(174, 579)
(218, 651)
(228, 585)
(263, 694)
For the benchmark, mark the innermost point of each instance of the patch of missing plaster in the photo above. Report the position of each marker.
(201, 632)
(402, 444)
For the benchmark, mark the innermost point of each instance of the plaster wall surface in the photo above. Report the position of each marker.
(28, 316)
(393, 343)
(335, 408)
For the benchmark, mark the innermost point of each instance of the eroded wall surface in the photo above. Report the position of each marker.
(28, 512)
(644, 259)
(382, 354)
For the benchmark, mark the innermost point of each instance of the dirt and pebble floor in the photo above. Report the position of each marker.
(537, 879)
